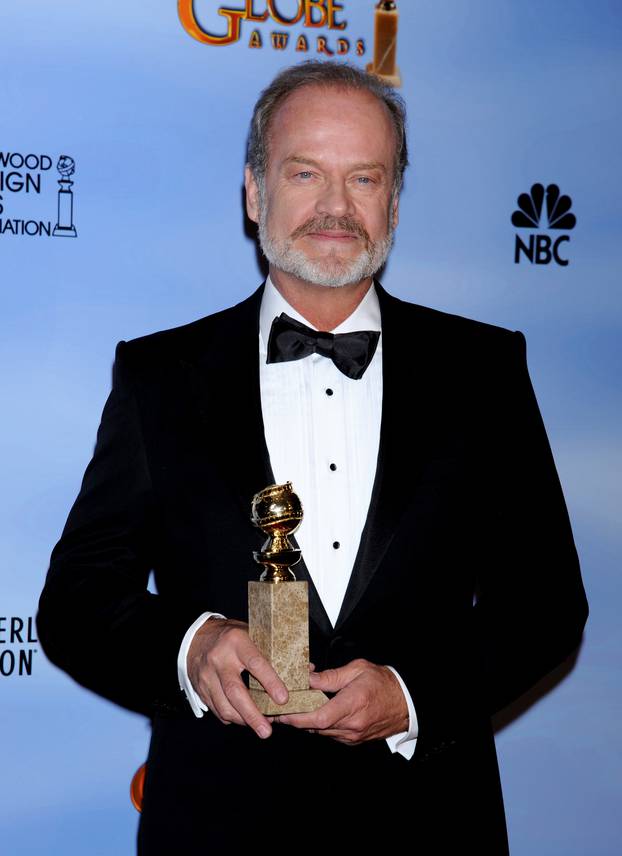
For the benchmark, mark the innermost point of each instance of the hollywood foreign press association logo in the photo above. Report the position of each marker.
(541, 249)
(28, 191)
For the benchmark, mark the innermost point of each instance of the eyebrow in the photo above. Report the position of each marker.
(311, 162)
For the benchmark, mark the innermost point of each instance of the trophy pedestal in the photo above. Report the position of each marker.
(278, 623)
(394, 79)
(64, 226)
(65, 232)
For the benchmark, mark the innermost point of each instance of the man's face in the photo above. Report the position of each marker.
(326, 212)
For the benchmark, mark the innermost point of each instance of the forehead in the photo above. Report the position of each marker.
(334, 122)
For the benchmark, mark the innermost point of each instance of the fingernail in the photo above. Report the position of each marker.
(263, 731)
(281, 697)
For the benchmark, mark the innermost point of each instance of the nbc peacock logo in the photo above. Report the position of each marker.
(541, 249)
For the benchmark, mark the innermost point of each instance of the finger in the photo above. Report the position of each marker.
(333, 680)
(255, 663)
(239, 698)
(312, 667)
(345, 736)
(327, 716)
(221, 706)
(299, 720)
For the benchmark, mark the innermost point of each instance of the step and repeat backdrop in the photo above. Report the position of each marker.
(122, 138)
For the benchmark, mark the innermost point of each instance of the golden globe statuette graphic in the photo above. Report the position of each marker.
(385, 43)
(278, 604)
(66, 166)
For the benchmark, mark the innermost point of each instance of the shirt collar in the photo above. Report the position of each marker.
(366, 316)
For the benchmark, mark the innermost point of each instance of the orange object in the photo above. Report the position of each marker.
(137, 787)
(384, 65)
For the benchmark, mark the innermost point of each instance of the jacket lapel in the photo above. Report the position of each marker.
(400, 453)
(225, 376)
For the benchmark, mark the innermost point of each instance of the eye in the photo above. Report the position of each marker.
(364, 179)
(305, 173)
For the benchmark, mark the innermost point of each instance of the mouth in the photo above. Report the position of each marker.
(332, 235)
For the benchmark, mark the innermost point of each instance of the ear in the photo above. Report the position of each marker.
(395, 207)
(252, 195)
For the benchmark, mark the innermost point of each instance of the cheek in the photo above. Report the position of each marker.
(285, 214)
(378, 225)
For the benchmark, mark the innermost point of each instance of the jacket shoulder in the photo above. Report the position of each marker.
(189, 341)
(448, 328)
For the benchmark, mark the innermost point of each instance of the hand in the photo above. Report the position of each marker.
(220, 651)
(369, 704)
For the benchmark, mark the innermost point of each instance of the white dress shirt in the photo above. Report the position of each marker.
(322, 431)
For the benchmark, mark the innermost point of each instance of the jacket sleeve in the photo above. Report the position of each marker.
(531, 606)
(96, 619)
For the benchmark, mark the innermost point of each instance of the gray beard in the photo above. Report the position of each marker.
(331, 271)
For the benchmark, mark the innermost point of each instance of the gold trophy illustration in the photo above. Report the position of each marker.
(278, 604)
(66, 167)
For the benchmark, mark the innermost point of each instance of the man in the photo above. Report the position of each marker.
(444, 581)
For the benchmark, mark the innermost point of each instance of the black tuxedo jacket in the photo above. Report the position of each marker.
(466, 581)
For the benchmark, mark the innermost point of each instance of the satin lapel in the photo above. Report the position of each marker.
(229, 401)
(317, 613)
(225, 376)
(401, 448)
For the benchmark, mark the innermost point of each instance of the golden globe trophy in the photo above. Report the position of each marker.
(278, 604)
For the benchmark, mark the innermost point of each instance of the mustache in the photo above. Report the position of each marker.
(330, 224)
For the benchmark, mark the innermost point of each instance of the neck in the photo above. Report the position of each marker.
(323, 307)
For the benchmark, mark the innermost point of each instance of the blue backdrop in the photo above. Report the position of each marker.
(502, 94)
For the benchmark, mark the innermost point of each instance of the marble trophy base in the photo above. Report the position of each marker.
(278, 622)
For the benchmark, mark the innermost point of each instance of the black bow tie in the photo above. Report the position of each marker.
(350, 352)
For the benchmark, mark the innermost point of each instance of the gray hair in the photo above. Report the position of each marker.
(322, 73)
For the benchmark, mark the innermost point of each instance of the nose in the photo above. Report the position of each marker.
(334, 199)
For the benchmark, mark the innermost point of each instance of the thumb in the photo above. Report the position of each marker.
(332, 680)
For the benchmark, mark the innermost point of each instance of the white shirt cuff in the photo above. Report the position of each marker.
(405, 741)
(194, 699)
